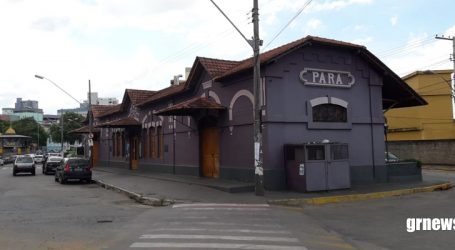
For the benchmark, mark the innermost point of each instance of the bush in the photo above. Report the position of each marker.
(418, 162)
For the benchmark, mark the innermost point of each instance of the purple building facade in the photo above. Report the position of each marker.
(312, 90)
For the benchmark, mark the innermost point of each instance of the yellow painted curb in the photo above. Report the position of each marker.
(359, 197)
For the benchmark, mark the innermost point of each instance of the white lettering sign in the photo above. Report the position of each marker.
(329, 78)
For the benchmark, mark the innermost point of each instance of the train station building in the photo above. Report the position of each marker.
(322, 105)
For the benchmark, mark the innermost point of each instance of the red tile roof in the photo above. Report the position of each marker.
(223, 69)
(138, 95)
(120, 123)
(284, 49)
(217, 67)
(169, 91)
(191, 105)
(113, 109)
(100, 109)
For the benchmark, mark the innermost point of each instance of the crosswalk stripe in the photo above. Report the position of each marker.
(226, 208)
(218, 237)
(214, 246)
(223, 230)
(219, 205)
(208, 223)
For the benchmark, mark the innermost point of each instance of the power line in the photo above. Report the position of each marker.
(290, 21)
(406, 48)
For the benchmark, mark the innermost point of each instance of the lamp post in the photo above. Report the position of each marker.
(61, 130)
(37, 123)
(89, 109)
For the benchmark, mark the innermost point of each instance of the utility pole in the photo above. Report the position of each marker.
(258, 168)
(90, 124)
(38, 134)
(452, 56)
(61, 133)
(257, 109)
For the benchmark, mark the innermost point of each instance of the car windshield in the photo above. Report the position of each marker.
(55, 159)
(24, 160)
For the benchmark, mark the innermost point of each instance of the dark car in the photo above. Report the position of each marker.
(73, 169)
(24, 163)
(51, 164)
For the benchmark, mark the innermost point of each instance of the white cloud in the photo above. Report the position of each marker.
(314, 24)
(362, 41)
(359, 27)
(394, 20)
(336, 5)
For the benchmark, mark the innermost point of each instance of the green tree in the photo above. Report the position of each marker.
(30, 127)
(71, 121)
(4, 125)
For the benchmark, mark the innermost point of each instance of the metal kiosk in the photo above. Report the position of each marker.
(317, 166)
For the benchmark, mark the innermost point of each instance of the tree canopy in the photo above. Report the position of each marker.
(71, 121)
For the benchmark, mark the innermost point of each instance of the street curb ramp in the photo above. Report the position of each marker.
(149, 201)
(360, 197)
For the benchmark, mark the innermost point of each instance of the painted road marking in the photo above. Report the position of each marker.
(208, 223)
(223, 230)
(219, 205)
(265, 234)
(226, 208)
(214, 246)
(218, 237)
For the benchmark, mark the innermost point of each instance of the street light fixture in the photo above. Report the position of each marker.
(89, 111)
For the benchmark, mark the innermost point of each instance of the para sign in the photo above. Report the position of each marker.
(327, 78)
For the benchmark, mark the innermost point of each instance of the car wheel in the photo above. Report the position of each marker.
(33, 172)
(61, 180)
(14, 173)
(55, 178)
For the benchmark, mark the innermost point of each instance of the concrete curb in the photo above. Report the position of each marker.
(439, 168)
(149, 201)
(360, 197)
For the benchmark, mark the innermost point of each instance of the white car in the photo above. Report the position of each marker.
(23, 163)
(38, 158)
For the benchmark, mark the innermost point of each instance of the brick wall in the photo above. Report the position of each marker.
(438, 152)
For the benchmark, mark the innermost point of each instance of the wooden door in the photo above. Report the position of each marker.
(134, 153)
(96, 152)
(210, 152)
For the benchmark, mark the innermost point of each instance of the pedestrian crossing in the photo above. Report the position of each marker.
(219, 226)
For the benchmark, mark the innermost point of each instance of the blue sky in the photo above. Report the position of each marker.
(141, 44)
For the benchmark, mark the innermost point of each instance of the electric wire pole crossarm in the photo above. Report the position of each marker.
(452, 58)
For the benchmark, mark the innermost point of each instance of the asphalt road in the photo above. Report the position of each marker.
(38, 213)
(382, 223)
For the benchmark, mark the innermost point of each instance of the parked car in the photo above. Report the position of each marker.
(73, 169)
(1, 160)
(51, 164)
(38, 158)
(24, 163)
(389, 157)
(7, 159)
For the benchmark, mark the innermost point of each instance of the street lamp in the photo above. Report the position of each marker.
(37, 123)
(90, 121)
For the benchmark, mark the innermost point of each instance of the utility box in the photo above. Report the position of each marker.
(317, 166)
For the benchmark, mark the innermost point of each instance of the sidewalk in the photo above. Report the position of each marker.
(164, 189)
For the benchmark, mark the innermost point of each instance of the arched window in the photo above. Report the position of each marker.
(328, 112)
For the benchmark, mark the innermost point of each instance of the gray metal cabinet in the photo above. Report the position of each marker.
(317, 166)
